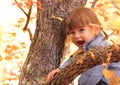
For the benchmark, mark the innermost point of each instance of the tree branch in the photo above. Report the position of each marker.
(28, 19)
(94, 3)
(84, 62)
(113, 2)
(21, 8)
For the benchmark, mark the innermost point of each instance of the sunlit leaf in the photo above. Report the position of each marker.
(21, 20)
(99, 5)
(108, 57)
(115, 46)
(77, 52)
(107, 73)
(14, 47)
(111, 75)
(39, 5)
(18, 4)
(13, 34)
(23, 44)
(81, 60)
(92, 55)
(1, 58)
(8, 58)
(8, 49)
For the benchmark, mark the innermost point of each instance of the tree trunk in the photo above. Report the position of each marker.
(48, 43)
(85, 61)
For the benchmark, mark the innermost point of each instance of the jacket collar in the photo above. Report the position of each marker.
(96, 42)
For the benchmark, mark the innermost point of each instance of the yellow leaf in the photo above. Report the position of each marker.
(8, 58)
(77, 52)
(107, 73)
(115, 46)
(108, 57)
(1, 58)
(81, 60)
(92, 55)
(111, 75)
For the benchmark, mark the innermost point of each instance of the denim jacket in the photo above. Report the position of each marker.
(95, 74)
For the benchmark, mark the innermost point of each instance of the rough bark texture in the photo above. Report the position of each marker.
(85, 61)
(48, 42)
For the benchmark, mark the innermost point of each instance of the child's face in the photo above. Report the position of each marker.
(82, 35)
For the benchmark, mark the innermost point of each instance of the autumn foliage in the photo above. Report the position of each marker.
(16, 35)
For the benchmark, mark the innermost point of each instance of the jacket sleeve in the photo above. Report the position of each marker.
(115, 67)
(66, 62)
(95, 74)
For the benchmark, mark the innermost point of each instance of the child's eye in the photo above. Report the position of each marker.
(71, 33)
(81, 30)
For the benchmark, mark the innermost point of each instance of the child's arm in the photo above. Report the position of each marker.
(66, 62)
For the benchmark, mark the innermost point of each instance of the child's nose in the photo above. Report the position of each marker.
(77, 35)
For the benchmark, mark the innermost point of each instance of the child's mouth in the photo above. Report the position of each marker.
(80, 42)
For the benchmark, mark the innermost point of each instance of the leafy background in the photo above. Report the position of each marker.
(15, 42)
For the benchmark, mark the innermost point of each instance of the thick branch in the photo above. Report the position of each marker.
(84, 62)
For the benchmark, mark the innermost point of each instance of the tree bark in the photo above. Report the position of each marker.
(48, 43)
(86, 61)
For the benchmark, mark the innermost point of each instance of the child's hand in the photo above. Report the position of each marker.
(52, 74)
